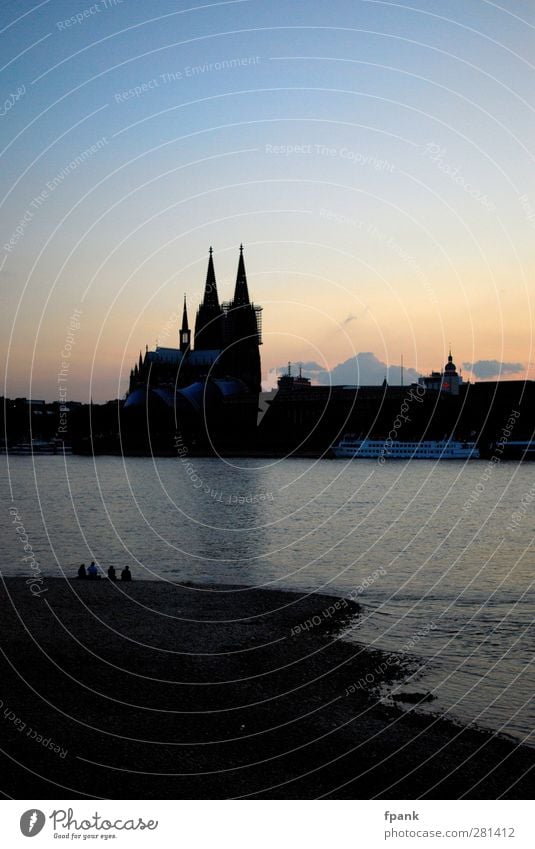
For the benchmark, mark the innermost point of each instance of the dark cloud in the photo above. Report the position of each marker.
(352, 317)
(364, 370)
(492, 368)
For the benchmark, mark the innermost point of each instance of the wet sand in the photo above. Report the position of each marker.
(151, 690)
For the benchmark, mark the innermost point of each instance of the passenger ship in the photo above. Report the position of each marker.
(444, 449)
(514, 449)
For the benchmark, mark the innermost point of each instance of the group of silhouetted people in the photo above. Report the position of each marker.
(92, 573)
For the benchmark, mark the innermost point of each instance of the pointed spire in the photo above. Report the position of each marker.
(185, 323)
(210, 289)
(450, 365)
(208, 323)
(140, 361)
(185, 332)
(241, 292)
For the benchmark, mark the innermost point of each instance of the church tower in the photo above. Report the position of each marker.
(244, 332)
(241, 291)
(185, 332)
(210, 318)
(451, 380)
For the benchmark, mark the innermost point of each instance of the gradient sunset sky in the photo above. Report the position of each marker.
(375, 159)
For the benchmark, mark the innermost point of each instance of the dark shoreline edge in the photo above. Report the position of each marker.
(234, 694)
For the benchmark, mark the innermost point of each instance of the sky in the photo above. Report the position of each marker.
(374, 158)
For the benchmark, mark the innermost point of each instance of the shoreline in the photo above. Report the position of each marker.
(154, 690)
(260, 454)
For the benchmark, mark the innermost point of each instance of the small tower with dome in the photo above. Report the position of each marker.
(448, 380)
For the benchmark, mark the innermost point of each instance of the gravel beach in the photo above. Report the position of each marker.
(153, 690)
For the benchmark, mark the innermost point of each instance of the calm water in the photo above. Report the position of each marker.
(429, 550)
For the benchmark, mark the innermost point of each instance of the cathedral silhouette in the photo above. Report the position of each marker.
(207, 392)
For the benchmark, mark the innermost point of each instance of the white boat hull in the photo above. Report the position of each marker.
(386, 449)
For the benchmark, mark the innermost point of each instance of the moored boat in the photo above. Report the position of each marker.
(514, 449)
(393, 449)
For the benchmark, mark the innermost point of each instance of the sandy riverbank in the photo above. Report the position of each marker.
(150, 690)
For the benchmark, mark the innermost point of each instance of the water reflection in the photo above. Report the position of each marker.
(397, 535)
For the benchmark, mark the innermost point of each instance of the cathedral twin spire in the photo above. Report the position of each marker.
(209, 324)
(241, 291)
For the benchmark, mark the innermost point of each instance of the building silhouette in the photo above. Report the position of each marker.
(448, 380)
(206, 392)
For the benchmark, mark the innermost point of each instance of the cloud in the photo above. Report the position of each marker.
(492, 368)
(352, 317)
(365, 369)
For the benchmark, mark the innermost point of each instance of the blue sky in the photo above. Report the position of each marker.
(375, 159)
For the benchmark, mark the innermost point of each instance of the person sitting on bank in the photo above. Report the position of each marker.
(112, 575)
(92, 572)
(126, 574)
(81, 571)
